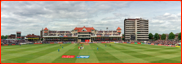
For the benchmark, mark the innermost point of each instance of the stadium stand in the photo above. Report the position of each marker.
(165, 42)
(13, 41)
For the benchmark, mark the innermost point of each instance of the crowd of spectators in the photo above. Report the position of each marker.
(52, 31)
(52, 34)
(165, 42)
(58, 41)
(13, 41)
(60, 32)
(107, 41)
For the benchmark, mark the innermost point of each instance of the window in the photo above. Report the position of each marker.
(84, 29)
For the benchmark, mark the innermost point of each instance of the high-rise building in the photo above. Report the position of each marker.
(136, 29)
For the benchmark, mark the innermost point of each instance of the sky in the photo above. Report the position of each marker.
(30, 17)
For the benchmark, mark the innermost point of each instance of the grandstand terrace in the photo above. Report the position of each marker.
(81, 34)
(32, 37)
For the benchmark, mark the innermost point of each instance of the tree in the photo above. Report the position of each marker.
(163, 37)
(123, 37)
(156, 36)
(2, 36)
(171, 35)
(41, 39)
(150, 36)
(179, 36)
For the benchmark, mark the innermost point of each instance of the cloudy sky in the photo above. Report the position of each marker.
(31, 17)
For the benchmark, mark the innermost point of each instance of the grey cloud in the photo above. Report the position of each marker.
(109, 18)
(26, 16)
(120, 15)
(61, 9)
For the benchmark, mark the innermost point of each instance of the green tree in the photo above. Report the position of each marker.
(41, 39)
(179, 36)
(2, 36)
(163, 37)
(5, 37)
(123, 37)
(156, 36)
(150, 36)
(171, 35)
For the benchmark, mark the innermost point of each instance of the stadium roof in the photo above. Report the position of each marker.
(118, 28)
(84, 29)
(46, 28)
(31, 35)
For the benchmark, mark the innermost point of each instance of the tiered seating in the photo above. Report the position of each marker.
(52, 34)
(68, 34)
(165, 42)
(13, 41)
(100, 32)
(45, 34)
(116, 34)
(107, 41)
(60, 32)
(52, 31)
(75, 34)
(58, 42)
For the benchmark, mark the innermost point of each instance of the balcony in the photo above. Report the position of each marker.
(142, 38)
(142, 30)
(142, 34)
(130, 28)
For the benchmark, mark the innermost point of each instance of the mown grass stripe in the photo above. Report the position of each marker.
(138, 54)
(158, 51)
(103, 56)
(151, 46)
(48, 58)
(74, 51)
(87, 51)
(41, 52)
(23, 49)
(22, 53)
(18, 46)
(121, 56)
(142, 47)
(117, 53)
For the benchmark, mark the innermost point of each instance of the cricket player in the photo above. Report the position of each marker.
(78, 47)
(82, 46)
(58, 50)
(62, 46)
(97, 48)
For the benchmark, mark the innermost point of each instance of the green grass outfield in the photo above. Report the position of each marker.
(116, 53)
